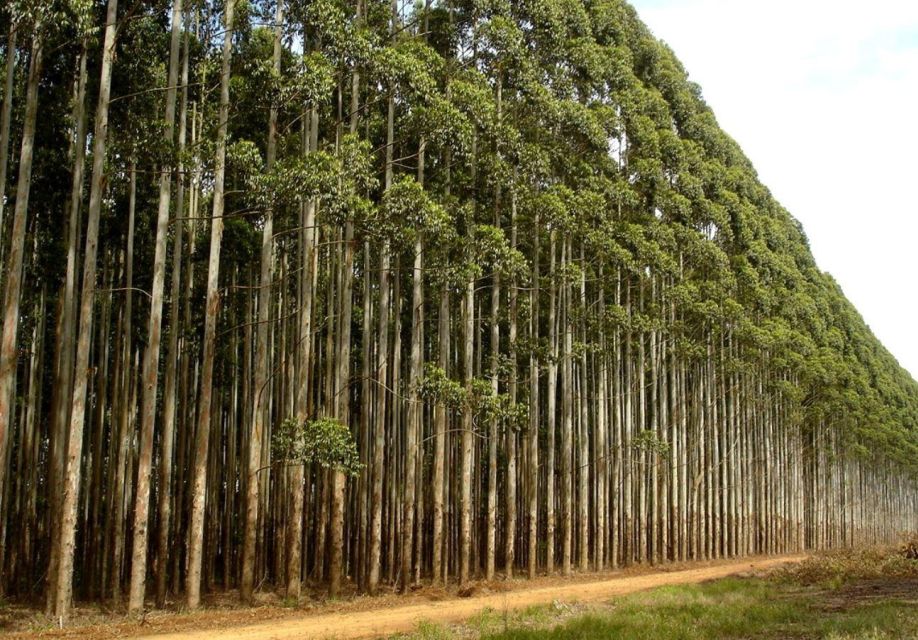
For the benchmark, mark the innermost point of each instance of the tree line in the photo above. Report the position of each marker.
(365, 294)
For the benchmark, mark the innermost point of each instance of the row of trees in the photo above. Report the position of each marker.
(373, 293)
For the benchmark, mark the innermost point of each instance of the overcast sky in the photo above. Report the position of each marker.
(822, 95)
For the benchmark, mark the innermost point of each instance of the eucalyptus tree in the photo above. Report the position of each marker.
(170, 382)
(486, 290)
(212, 301)
(39, 18)
(150, 374)
(7, 110)
(63, 581)
(260, 381)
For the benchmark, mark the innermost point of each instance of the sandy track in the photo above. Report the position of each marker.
(383, 622)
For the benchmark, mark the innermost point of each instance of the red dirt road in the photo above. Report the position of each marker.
(375, 623)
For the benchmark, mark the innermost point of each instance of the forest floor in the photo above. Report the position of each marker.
(387, 614)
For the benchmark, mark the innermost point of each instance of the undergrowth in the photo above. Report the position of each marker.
(833, 569)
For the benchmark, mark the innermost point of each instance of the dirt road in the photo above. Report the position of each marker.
(383, 622)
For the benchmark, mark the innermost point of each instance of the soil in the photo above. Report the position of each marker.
(864, 592)
(366, 617)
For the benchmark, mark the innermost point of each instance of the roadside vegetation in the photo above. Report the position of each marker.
(840, 595)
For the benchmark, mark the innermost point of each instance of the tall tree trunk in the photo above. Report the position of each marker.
(567, 415)
(65, 352)
(260, 379)
(493, 430)
(379, 428)
(512, 388)
(170, 391)
(465, 521)
(13, 288)
(601, 453)
(382, 368)
(627, 431)
(150, 373)
(440, 419)
(305, 339)
(583, 500)
(71, 491)
(126, 405)
(342, 374)
(6, 114)
(415, 408)
(212, 309)
(551, 407)
(533, 432)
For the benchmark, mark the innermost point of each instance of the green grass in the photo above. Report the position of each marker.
(489, 621)
(864, 594)
(432, 631)
(732, 608)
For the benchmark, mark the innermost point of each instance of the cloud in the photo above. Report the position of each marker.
(822, 96)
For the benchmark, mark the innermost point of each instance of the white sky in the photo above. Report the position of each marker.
(822, 95)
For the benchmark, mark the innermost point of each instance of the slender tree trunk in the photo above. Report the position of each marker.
(465, 524)
(512, 479)
(415, 409)
(551, 407)
(379, 429)
(260, 413)
(126, 404)
(601, 453)
(628, 430)
(150, 373)
(65, 350)
(75, 443)
(567, 416)
(13, 288)
(305, 339)
(379, 509)
(584, 448)
(170, 391)
(493, 430)
(342, 390)
(5, 116)
(533, 433)
(212, 309)
(343, 361)
(440, 419)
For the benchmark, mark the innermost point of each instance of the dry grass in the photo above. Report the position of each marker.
(835, 568)
(910, 548)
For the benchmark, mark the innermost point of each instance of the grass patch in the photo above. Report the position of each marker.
(432, 631)
(490, 622)
(732, 608)
(864, 594)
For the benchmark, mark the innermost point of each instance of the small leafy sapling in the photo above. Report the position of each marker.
(325, 442)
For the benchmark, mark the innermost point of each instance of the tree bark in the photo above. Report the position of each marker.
(13, 288)
(533, 433)
(65, 347)
(170, 391)
(465, 523)
(150, 375)
(260, 379)
(64, 590)
(6, 114)
(212, 309)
